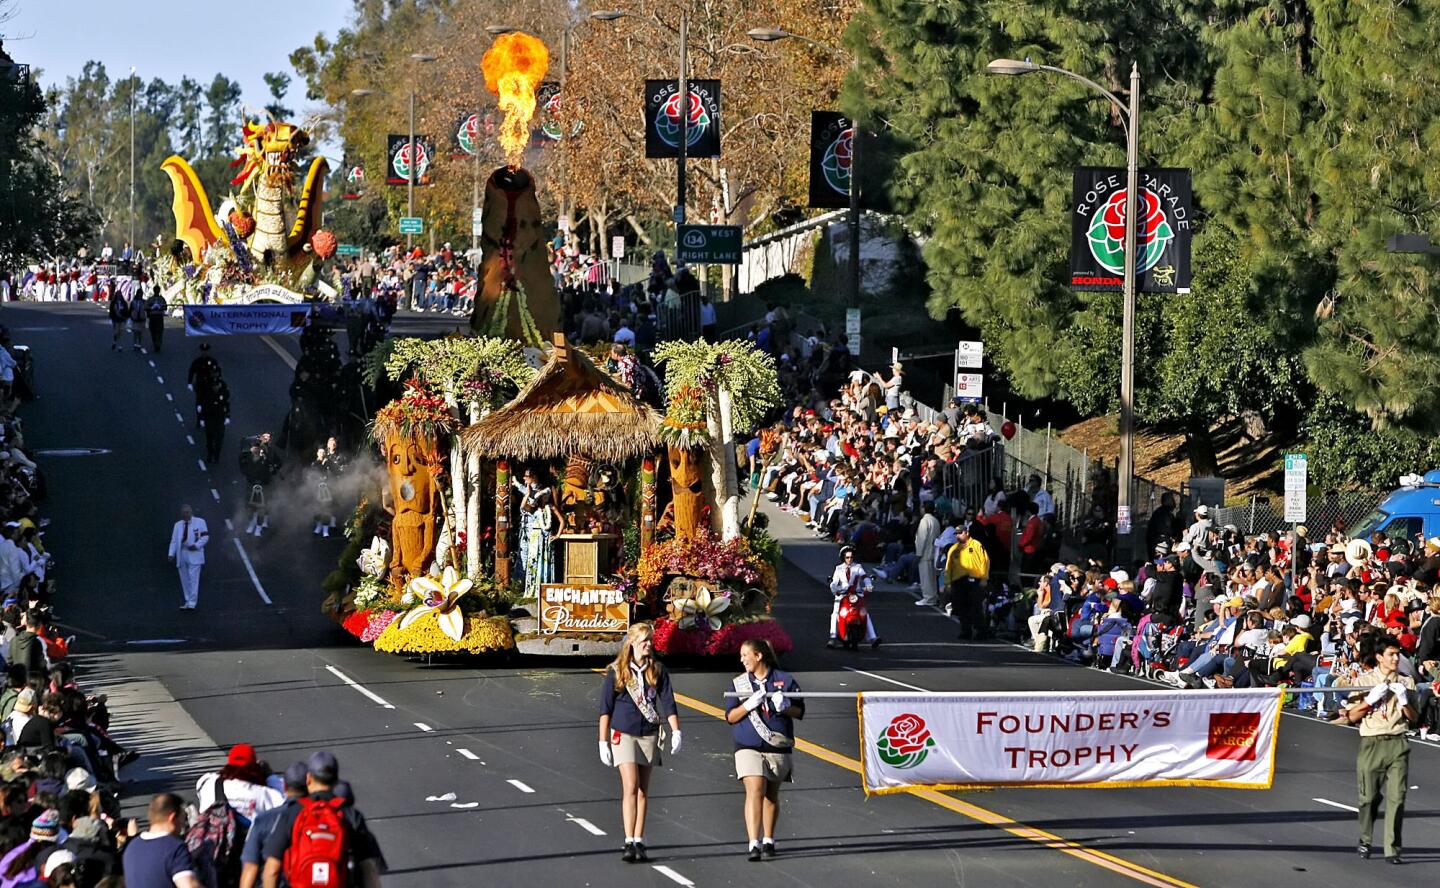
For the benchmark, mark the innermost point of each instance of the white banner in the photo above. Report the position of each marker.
(1105, 739)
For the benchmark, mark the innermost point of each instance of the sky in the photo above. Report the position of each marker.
(170, 40)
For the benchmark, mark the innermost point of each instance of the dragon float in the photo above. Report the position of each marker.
(257, 248)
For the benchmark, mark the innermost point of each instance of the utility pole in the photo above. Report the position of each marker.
(132, 161)
(1125, 524)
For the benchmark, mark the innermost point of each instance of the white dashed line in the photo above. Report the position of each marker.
(250, 569)
(890, 680)
(673, 876)
(178, 418)
(1340, 805)
(160, 379)
(203, 467)
(152, 364)
(586, 825)
(229, 525)
(215, 493)
(189, 439)
(352, 683)
(520, 786)
(468, 754)
(424, 727)
(169, 397)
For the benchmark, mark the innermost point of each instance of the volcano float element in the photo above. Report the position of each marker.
(512, 245)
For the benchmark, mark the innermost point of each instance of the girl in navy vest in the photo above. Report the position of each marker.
(762, 720)
(634, 699)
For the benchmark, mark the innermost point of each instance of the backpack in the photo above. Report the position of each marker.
(319, 850)
(218, 835)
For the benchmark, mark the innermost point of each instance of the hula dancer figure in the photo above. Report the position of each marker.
(634, 698)
(538, 521)
(762, 721)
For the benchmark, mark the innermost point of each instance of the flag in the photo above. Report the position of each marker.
(1162, 237)
(831, 152)
(397, 159)
(662, 119)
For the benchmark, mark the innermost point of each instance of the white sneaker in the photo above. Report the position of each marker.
(949, 610)
(324, 532)
(923, 603)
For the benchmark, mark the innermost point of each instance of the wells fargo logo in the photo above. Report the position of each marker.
(1233, 736)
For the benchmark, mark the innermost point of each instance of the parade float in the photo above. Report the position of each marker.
(264, 244)
(624, 514)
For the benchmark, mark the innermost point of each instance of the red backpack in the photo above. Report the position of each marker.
(319, 852)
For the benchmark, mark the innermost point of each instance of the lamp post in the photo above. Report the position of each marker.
(131, 245)
(414, 166)
(682, 98)
(1130, 118)
(771, 35)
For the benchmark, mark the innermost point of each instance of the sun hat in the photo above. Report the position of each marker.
(81, 779)
(25, 700)
(1357, 552)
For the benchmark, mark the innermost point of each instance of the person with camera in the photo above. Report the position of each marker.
(1384, 713)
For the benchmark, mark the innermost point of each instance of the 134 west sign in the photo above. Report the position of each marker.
(1162, 237)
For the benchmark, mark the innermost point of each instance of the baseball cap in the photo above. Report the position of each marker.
(241, 755)
(295, 775)
(323, 767)
(79, 778)
(1301, 621)
(56, 858)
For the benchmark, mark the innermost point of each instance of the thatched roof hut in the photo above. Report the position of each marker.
(572, 408)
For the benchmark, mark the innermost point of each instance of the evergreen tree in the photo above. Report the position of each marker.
(222, 118)
(278, 82)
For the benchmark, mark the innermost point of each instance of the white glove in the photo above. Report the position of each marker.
(227, 421)
(1376, 694)
(189, 388)
(1400, 691)
(607, 758)
(753, 701)
(777, 701)
(674, 742)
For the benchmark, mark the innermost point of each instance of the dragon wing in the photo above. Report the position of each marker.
(312, 198)
(194, 221)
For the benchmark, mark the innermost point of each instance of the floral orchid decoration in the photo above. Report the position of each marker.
(704, 609)
(372, 560)
(440, 596)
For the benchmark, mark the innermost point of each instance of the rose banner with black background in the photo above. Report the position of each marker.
(1099, 739)
(662, 119)
(1162, 239)
(831, 158)
(397, 159)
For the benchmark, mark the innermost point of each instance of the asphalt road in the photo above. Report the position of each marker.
(487, 774)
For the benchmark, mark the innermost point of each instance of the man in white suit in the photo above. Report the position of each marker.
(187, 553)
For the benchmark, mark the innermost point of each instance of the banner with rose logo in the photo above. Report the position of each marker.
(1100, 739)
(398, 159)
(831, 139)
(662, 119)
(1162, 238)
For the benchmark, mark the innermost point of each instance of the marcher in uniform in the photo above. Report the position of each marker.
(635, 698)
(155, 316)
(1385, 714)
(762, 721)
(187, 552)
(215, 416)
(137, 320)
(203, 371)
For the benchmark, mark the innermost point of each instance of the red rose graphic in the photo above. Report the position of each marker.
(907, 734)
(1114, 216)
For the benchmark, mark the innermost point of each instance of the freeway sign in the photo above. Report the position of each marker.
(348, 250)
(412, 225)
(717, 244)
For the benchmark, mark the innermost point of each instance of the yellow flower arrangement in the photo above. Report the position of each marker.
(426, 637)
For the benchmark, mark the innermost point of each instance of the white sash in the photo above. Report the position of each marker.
(636, 689)
(745, 689)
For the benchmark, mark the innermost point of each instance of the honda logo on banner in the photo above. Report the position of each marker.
(1164, 212)
(662, 119)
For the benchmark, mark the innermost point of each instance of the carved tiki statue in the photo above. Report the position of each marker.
(412, 462)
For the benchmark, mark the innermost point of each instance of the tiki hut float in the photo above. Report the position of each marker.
(579, 423)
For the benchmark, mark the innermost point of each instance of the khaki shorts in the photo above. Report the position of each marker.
(633, 750)
(773, 766)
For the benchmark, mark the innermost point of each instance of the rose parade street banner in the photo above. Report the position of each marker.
(229, 320)
(398, 160)
(662, 119)
(1162, 238)
(831, 141)
(1098, 739)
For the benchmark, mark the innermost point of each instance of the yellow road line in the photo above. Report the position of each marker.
(983, 815)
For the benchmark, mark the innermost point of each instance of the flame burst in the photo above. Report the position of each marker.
(514, 66)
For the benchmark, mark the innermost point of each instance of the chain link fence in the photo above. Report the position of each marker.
(1332, 511)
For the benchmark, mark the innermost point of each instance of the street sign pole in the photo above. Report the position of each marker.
(1297, 468)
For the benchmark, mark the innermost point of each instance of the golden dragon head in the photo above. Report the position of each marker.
(270, 152)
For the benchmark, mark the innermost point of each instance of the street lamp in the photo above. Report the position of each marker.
(414, 167)
(772, 35)
(682, 98)
(1130, 118)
